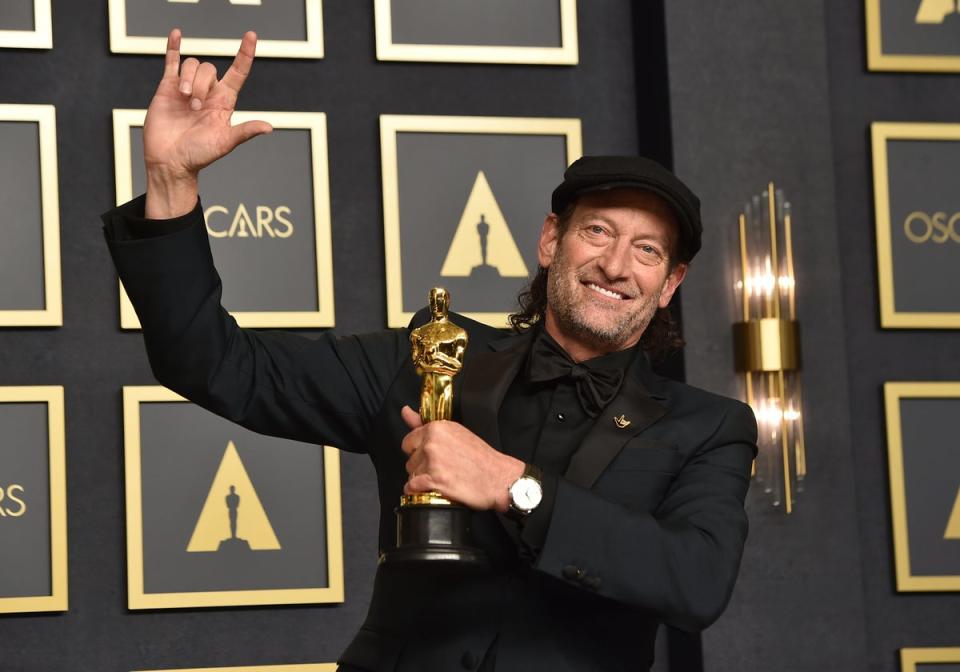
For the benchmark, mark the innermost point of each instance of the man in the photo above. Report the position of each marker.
(608, 499)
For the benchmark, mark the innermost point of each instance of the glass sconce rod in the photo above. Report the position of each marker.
(767, 343)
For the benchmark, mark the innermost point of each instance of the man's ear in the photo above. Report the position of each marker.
(549, 238)
(674, 278)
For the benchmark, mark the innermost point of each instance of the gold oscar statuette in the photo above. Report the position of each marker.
(429, 526)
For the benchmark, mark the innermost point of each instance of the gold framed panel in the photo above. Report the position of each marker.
(390, 127)
(315, 122)
(877, 59)
(881, 134)
(893, 393)
(51, 315)
(52, 396)
(137, 598)
(41, 37)
(566, 54)
(305, 667)
(909, 658)
(311, 47)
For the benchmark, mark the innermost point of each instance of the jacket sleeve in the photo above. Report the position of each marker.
(318, 390)
(678, 562)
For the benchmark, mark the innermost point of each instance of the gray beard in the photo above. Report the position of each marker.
(571, 320)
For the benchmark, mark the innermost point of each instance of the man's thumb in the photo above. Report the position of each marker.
(411, 417)
(240, 133)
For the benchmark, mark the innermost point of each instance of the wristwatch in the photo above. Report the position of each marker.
(525, 493)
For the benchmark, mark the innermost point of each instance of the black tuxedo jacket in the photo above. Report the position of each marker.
(647, 524)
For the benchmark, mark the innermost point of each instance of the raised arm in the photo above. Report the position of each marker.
(188, 125)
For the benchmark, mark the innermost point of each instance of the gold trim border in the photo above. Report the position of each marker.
(41, 37)
(316, 123)
(51, 315)
(390, 126)
(566, 54)
(304, 667)
(133, 396)
(52, 396)
(881, 133)
(312, 47)
(878, 60)
(911, 656)
(893, 393)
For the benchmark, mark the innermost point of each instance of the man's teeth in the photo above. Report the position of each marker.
(605, 292)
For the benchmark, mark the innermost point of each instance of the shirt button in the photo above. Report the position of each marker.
(561, 417)
(469, 660)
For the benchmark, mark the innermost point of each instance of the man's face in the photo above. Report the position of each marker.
(610, 270)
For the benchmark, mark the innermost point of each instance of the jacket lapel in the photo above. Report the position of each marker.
(637, 402)
(486, 381)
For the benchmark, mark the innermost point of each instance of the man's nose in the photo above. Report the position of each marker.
(616, 259)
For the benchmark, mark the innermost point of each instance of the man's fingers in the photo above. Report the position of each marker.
(411, 417)
(188, 70)
(420, 483)
(415, 463)
(240, 133)
(242, 63)
(204, 80)
(171, 63)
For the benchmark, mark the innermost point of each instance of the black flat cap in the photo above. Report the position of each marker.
(598, 173)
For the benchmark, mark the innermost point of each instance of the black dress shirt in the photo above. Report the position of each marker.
(543, 424)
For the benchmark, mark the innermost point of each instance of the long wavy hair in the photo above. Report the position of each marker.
(660, 338)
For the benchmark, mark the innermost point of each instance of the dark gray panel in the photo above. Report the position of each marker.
(181, 447)
(434, 187)
(926, 268)
(16, 15)
(750, 103)
(24, 511)
(874, 355)
(272, 19)
(259, 272)
(520, 23)
(931, 467)
(938, 667)
(21, 252)
(901, 34)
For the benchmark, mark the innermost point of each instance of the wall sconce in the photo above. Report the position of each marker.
(767, 344)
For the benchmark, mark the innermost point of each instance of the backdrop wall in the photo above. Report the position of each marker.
(753, 92)
(780, 91)
(93, 359)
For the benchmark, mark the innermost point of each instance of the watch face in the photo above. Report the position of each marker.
(526, 494)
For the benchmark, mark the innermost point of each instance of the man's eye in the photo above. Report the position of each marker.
(649, 253)
(597, 229)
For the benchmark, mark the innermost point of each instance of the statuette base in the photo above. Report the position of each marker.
(434, 533)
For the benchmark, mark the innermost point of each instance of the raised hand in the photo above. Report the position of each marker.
(188, 125)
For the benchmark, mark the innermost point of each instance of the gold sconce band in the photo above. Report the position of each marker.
(766, 344)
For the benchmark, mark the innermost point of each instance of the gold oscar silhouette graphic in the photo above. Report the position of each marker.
(233, 519)
(429, 526)
(935, 11)
(483, 247)
(953, 524)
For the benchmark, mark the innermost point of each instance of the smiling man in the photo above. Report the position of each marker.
(608, 499)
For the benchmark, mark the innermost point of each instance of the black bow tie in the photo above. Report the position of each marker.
(595, 387)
